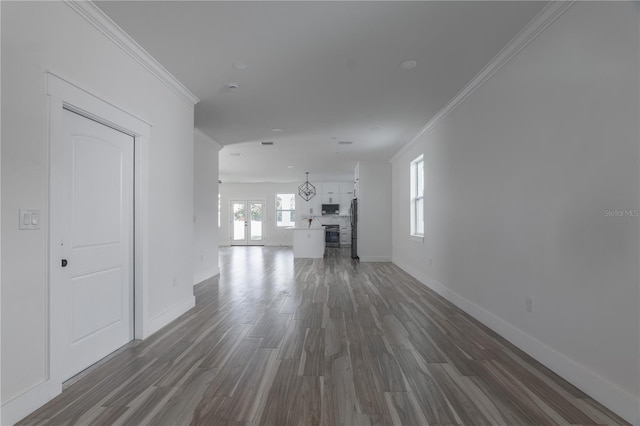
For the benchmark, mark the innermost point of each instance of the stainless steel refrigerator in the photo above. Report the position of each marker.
(354, 228)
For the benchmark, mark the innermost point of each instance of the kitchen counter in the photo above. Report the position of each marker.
(308, 242)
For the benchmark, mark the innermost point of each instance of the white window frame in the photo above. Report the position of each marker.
(417, 197)
(285, 210)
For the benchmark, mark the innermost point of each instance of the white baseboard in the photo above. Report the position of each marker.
(608, 394)
(156, 323)
(24, 404)
(375, 258)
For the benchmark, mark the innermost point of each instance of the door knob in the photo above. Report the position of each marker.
(64, 262)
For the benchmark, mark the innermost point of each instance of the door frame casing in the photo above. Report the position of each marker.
(62, 94)
(247, 201)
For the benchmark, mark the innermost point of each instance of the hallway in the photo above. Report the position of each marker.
(273, 341)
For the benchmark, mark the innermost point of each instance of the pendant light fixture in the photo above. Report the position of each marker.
(306, 190)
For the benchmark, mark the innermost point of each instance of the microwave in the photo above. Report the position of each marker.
(330, 209)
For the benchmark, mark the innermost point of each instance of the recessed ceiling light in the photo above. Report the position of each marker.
(345, 143)
(276, 130)
(289, 166)
(233, 87)
(375, 129)
(235, 154)
(240, 66)
(269, 143)
(407, 65)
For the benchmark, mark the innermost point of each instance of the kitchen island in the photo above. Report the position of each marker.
(308, 242)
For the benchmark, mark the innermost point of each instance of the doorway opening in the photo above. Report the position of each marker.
(247, 222)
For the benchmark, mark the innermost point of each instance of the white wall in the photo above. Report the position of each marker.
(0, 213)
(274, 236)
(374, 211)
(517, 182)
(205, 208)
(39, 36)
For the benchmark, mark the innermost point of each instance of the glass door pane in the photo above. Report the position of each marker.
(255, 227)
(239, 223)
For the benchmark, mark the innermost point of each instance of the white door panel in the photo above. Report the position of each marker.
(97, 169)
(89, 259)
(94, 224)
(96, 303)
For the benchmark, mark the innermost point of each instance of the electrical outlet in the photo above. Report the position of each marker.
(430, 262)
(175, 282)
(530, 304)
(201, 258)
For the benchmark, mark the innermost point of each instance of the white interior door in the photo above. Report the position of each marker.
(92, 221)
(247, 223)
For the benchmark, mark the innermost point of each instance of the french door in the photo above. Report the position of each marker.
(247, 223)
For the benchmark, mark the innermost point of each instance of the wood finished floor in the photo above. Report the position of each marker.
(274, 341)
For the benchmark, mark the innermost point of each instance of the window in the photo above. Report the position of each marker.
(285, 209)
(417, 197)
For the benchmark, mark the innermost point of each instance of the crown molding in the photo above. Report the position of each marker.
(96, 17)
(537, 25)
(199, 133)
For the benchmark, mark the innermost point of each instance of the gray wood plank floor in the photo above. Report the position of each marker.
(273, 341)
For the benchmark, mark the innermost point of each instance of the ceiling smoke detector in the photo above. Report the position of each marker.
(407, 65)
(267, 143)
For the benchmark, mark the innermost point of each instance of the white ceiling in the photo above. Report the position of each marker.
(323, 72)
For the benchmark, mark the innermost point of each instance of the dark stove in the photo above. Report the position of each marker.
(332, 235)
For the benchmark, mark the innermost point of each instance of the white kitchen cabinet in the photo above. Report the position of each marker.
(331, 198)
(345, 236)
(340, 193)
(313, 207)
(330, 193)
(330, 187)
(346, 187)
(308, 242)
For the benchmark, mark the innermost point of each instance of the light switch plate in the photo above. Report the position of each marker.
(29, 219)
